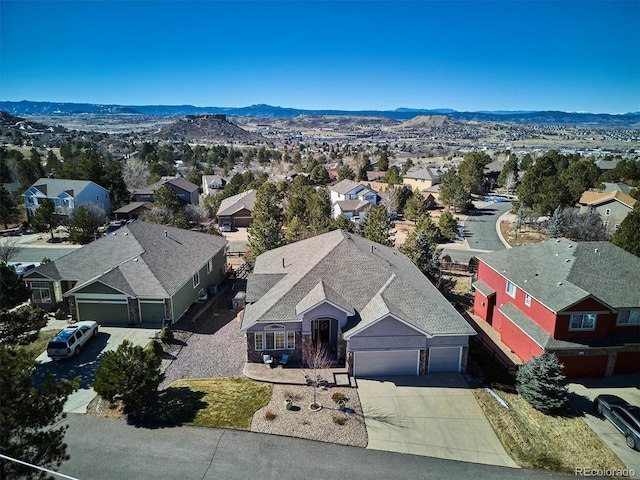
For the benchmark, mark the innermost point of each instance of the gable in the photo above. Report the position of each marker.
(97, 287)
(388, 326)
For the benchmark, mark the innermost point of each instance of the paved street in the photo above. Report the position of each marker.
(480, 227)
(111, 449)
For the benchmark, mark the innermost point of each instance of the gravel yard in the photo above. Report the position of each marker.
(321, 425)
(210, 347)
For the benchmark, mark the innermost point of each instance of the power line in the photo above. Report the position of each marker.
(37, 467)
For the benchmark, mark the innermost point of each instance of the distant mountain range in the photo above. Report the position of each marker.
(627, 120)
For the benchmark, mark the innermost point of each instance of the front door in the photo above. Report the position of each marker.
(322, 331)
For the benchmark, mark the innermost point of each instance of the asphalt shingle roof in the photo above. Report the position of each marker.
(53, 187)
(559, 272)
(345, 186)
(421, 174)
(138, 259)
(234, 204)
(360, 272)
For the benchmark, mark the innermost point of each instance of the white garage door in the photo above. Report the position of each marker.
(444, 359)
(377, 364)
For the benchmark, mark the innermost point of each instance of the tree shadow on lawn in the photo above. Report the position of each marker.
(481, 212)
(172, 407)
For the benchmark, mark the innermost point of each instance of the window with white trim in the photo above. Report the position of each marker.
(527, 300)
(511, 289)
(629, 317)
(210, 265)
(41, 292)
(259, 341)
(275, 337)
(583, 321)
(196, 279)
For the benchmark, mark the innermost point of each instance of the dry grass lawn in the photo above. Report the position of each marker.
(525, 236)
(535, 440)
(214, 402)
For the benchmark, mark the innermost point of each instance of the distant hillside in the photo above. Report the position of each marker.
(209, 128)
(12, 122)
(629, 120)
(426, 121)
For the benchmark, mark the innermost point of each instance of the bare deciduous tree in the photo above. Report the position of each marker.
(8, 249)
(316, 356)
(135, 173)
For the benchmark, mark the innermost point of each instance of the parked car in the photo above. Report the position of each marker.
(70, 340)
(226, 227)
(623, 416)
(22, 268)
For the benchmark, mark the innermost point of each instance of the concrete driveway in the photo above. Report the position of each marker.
(623, 386)
(85, 364)
(434, 415)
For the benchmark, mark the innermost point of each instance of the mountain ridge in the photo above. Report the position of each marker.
(548, 117)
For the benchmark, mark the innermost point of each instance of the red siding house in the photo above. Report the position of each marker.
(580, 301)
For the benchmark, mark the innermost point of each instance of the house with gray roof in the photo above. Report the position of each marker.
(67, 195)
(579, 300)
(237, 209)
(144, 273)
(349, 197)
(419, 178)
(187, 192)
(212, 184)
(368, 304)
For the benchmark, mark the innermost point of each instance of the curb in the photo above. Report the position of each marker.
(498, 222)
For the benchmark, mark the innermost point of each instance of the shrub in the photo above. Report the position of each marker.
(155, 347)
(288, 393)
(337, 396)
(131, 374)
(60, 315)
(269, 415)
(541, 383)
(339, 419)
(166, 335)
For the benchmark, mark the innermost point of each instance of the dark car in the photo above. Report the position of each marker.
(625, 417)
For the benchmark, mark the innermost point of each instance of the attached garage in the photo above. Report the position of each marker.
(152, 313)
(584, 365)
(444, 359)
(384, 363)
(104, 312)
(627, 362)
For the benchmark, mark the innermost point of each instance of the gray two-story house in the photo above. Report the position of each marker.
(67, 195)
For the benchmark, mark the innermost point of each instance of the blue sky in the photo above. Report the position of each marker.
(465, 55)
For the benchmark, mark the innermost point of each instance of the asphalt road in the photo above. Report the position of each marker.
(480, 227)
(480, 232)
(111, 449)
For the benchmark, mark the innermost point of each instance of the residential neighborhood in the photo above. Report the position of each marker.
(391, 310)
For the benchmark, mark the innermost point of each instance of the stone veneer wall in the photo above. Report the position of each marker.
(295, 356)
(134, 311)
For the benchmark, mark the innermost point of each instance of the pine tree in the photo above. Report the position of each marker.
(556, 225)
(448, 225)
(627, 236)
(45, 218)
(416, 207)
(84, 224)
(13, 291)
(130, 374)
(265, 232)
(9, 209)
(378, 227)
(343, 223)
(30, 417)
(541, 383)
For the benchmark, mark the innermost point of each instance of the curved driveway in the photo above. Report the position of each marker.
(480, 227)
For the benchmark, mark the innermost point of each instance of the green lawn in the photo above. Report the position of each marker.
(217, 402)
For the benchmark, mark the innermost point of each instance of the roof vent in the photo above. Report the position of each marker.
(371, 248)
(559, 283)
(166, 234)
(597, 251)
(283, 262)
(126, 233)
(569, 246)
(566, 260)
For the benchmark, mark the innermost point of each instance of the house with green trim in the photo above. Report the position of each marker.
(144, 273)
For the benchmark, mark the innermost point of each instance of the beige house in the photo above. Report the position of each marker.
(613, 207)
(421, 178)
